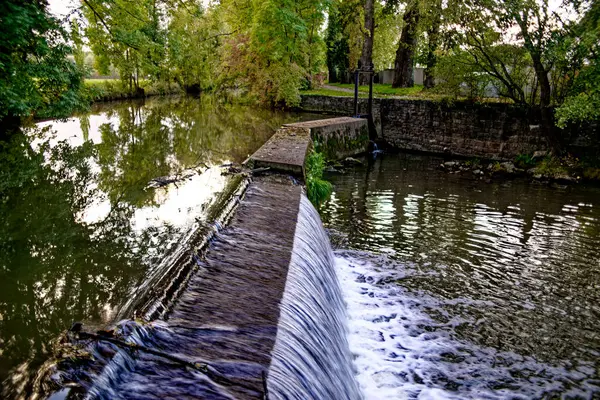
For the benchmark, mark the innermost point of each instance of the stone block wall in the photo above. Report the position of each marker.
(497, 131)
(341, 106)
(337, 138)
(490, 131)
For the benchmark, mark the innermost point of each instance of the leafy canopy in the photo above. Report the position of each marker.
(35, 74)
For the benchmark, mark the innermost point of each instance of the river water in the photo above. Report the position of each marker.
(85, 225)
(454, 288)
(457, 288)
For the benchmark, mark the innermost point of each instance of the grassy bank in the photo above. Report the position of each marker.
(383, 91)
(379, 90)
(114, 89)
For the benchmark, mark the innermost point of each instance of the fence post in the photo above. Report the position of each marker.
(356, 77)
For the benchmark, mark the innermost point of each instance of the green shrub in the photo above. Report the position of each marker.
(317, 189)
(497, 167)
(474, 162)
(551, 166)
(592, 173)
(524, 161)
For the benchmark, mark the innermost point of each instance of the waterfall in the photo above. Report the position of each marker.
(311, 357)
(302, 351)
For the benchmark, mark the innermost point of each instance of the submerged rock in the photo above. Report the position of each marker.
(508, 167)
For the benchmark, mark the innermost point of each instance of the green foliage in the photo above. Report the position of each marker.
(524, 52)
(474, 162)
(113, 89)
(582, 102)
(578, 108)
(591, 173)
(194, 38)
(317, 189)
(461, 74)
(276, 49)
(524, 161)
(552, 166)
(338, 48)
(77, 38)
(385, 42)
(35, 74)
(129, 36)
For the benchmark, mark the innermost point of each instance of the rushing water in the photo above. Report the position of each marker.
(301, 353)
(457, 288)
(311, 359)
(85, 225)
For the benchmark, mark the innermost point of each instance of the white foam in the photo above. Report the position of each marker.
(400, 352)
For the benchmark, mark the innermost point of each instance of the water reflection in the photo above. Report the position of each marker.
(80, 228)
(512, 266)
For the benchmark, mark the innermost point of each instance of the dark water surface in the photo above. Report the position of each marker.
(458, 288)
(83, 226)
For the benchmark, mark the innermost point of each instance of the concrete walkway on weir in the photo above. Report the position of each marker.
(239, 286)
(287, 149)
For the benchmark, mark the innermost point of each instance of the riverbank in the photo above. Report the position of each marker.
(100, 90)
(539, 167)
(466, 130)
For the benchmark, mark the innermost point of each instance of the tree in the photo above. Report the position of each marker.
(403, 65)
(277, 47)
(130, 35)
(77, 39)
(522, 63)
(337, 46)
(582, 102)
(194, 37)
(35, 75)
(387, 31)
(366, 58)
(433, 22)
(344, 38)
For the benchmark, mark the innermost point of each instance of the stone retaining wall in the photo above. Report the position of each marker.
(490, 131)
(494, 131)
(337, 138)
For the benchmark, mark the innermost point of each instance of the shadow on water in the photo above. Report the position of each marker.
(84, 221)
(469, 289)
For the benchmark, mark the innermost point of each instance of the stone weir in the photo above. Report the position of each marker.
(228, 313)
(217, 339)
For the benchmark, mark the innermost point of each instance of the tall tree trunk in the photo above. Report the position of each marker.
(548, 125)
(403, 66)
(542, 77)
(433, 37)
(366, 58)
(541, 73)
